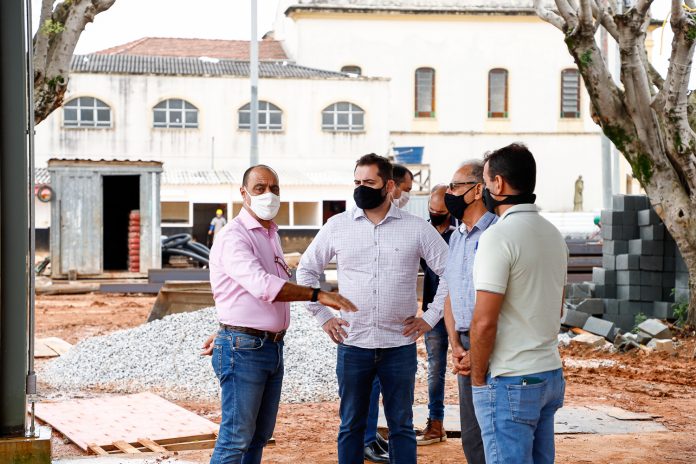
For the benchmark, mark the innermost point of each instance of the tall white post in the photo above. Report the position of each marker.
(254, 74)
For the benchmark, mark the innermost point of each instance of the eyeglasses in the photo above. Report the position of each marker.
(281, 262)
(453, 185)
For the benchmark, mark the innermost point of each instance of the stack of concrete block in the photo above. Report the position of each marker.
(640, 264)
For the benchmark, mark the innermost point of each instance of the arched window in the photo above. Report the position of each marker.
(175, 113)
(498, 93)
(270, 117)
(570, 93)
(425, 93)
(352, 69)
(343, 116)
(86, 112)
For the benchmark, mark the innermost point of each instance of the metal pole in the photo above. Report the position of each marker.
(607, 190)
(14, 214)
(254, 74)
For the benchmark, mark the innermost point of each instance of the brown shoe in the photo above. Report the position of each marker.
(434, 432)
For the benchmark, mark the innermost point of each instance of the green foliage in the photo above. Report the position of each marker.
(57, 80)
(680, 309)
(642, 168)
(638, 320)
(586, 58)
(51, 27)
(617, 135)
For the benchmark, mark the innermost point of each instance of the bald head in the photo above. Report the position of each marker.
(258, 168)
(436, 202)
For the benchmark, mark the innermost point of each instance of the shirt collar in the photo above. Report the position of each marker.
(523, 208)
(482, 224)
(251, 223)
(393, 212)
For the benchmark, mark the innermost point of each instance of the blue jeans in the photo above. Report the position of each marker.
(250, 370)
(436, 344)
(373, 414)
(356, 369)
(516, 417)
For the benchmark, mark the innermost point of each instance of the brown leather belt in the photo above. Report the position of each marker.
(272, 336)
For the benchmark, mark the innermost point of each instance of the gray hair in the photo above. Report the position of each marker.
(476, 166)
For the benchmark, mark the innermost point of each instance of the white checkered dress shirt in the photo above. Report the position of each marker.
(377, 270)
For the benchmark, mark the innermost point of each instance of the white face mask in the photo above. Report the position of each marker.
(265, 206)
(402, 200)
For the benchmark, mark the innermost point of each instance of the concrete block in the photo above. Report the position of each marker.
(627, 307)
(645, 247)
(662, 346)
(668, 264)
(655, 328)
(609, 262)
(670, 249)
(679, 263)
(651, 278)
(612, 232)
(628, 262)
(681, 280)
(650, 293)
(668, 294)
(650, 263)
(629, 232)
(681, 294)
(668, 279)
(594, 341)
(582, 291)
(630, 202)
(597, 326)
(615, 247)
(573, 318)
(642, 337)
(647, 217)
(614, 218)
(611, 306)
(628, 277)
(593, 306)
(601, 276)
(653, 232)
(628, 292)
(618, 202)
(663, 310)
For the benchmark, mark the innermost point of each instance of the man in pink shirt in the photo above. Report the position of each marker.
(250, 285)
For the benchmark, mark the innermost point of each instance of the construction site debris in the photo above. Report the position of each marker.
(662, 346)
(655, 329)
(589, 339)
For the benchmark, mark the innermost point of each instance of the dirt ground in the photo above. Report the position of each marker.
(658, 384)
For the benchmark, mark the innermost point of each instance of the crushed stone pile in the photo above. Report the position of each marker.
(163, 356)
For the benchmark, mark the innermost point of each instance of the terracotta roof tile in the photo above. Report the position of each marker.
(223, 49)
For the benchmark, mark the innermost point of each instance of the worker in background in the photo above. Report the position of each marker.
(519, 275)
(249, 278)
(464, 200)
(403, 184)
(217, 224)
(436, 340)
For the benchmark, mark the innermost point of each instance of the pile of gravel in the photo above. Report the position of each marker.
(163, 356)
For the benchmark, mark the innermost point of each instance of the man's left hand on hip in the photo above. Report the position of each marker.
(415, 327)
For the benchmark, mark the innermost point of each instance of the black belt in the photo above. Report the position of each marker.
(272, 336)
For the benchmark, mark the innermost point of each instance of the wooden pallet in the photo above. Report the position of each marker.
(145, 445)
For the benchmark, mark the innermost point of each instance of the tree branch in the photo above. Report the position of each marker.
(642, 6)
(602, 11)
(569, 14)
(548, 15)
(586, 18)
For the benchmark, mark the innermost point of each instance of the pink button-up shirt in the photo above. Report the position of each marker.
(246, 277)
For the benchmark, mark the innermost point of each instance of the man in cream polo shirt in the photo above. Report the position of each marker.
(519, 274)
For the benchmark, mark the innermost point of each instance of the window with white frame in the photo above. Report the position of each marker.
(498, 93)
(425, 93)
(175, 113)
(343, 116)
(570, 93)
(270, 117)
(86, 112)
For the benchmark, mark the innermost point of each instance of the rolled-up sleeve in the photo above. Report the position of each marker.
(311, 267)
(245, 268)
(492, 264)
(434, 251)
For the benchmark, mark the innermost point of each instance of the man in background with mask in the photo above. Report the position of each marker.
(464, 201)
(250, 285)
(519, 275)
(377, 248)
(436, 340)
(403, 184)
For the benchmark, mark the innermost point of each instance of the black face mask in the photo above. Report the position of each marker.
(437, 219)
(369, 198)
(456, 205)
(491, 203)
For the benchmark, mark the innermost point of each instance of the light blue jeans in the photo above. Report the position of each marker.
(250, 370)
(516, 417)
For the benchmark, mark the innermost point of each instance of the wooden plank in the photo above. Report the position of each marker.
(126, 447)
(98, 450)
(170, 441)
(58, 345)
(152, 446)
(191, 445)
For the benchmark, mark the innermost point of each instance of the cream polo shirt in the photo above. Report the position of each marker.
(525, 258)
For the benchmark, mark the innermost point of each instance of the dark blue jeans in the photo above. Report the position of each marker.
(356, 369)
(250, 370)
(436, 344)
(373, 414)
(516, 416)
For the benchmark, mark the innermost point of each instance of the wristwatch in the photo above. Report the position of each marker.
(315, 295)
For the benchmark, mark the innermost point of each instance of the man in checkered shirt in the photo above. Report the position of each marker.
(378, 248)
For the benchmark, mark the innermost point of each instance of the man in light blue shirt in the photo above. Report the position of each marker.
(464, 201)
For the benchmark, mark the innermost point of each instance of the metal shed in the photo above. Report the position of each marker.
(93, 232)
